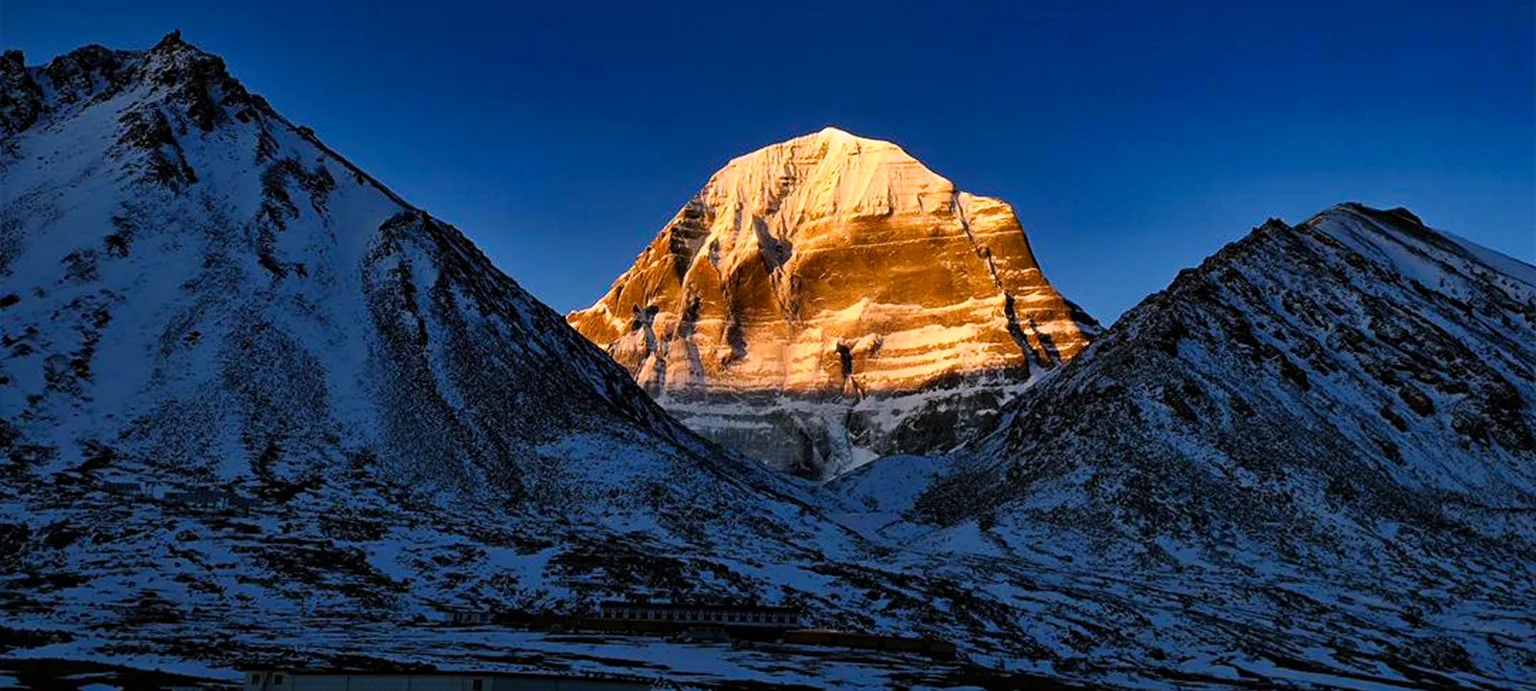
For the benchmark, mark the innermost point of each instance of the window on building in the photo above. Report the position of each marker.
(477, 685)
(277, 680)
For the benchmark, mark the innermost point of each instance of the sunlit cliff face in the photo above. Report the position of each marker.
(841, 273)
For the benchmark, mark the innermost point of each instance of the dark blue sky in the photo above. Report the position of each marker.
(1134, 138)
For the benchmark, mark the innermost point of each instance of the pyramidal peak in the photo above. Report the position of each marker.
(854, 143)
(827, 179)
(842, 272)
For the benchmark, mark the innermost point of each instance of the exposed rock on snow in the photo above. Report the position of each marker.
(829, 299)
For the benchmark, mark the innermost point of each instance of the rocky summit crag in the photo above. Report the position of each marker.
(829, 299)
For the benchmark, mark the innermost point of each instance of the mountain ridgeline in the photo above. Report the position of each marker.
(194, 281)
(1359, 356)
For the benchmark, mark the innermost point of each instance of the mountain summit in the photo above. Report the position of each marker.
(829, 299)
(172, 247)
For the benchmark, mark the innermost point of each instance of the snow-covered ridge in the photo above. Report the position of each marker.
(1341, 410)
(835, 270)
(229, 180)
(1400, 240)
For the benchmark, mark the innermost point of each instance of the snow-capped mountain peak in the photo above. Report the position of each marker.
(828, 299)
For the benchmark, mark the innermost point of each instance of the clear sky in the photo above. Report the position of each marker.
(1134, 138)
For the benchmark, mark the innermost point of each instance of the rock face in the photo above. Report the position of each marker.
(829, 299)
